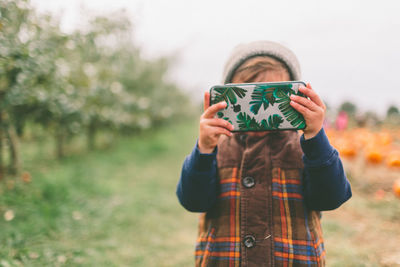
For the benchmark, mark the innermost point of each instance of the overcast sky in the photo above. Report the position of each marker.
(348, 50)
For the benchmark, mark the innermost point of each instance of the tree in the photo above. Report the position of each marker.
(392, 116)
(14, 61)
(392, 111)
(349, 107)
(88, 81)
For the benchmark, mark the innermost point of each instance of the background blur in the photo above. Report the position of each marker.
(99, 104)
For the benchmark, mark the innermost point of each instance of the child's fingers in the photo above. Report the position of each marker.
(308, 91)
(305, 102)
(300, 108)
(212, 110)
(220, 123)
(206, 100)
(220, 130)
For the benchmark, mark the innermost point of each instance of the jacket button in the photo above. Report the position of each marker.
(249, 241)
(248, 182)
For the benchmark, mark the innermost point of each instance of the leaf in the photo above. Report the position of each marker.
(231, 96)
(283, 90)
(236, 108)
(261, 96)
(240, 92)
(274, 121)
(241, 120)
(291, 115)
(246, 122)
(228, 94)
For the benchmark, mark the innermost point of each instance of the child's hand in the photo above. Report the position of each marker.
(211, 128)
(313, 110)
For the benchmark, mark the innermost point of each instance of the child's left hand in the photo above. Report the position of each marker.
(313, 110)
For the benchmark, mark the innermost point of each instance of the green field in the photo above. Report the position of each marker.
(117, 207)
(113, 207)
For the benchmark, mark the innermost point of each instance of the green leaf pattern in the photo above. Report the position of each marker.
(228, 94)
(246, 122)
(262, 96)
(265, 99)
(291, 115)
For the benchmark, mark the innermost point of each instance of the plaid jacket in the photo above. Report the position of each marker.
(260, 218)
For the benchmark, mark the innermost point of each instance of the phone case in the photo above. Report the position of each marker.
(259, 106)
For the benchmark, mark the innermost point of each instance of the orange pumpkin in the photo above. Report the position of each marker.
(394, 159)
(374, 155)
(396, 188)
(348, 151)
(345, 146)
(384, 138)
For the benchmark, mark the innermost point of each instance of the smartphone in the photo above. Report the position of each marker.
(259, 106)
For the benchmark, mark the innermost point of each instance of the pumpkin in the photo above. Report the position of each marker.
(374, 155)
(394, 159)
(396, 188)
(345, 144)
(384, 139)
(347, 149)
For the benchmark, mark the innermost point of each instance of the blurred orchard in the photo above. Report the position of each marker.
(62, 85)
(92, 138)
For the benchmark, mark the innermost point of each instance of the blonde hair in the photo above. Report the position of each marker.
(256, 66)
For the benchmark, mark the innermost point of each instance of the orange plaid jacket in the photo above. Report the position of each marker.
(260, 217)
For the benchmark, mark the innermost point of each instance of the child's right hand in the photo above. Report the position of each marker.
(211, 128)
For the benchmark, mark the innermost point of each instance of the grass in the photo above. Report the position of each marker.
(114, 207)
(117, 207)
(365, 231)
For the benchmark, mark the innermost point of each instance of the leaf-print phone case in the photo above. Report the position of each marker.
(259, 106)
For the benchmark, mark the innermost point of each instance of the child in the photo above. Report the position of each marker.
(261, 194)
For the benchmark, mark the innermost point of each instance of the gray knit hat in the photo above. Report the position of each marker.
(243, 52)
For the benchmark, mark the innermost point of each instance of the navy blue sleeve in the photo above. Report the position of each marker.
(325, 184)
(197, 187)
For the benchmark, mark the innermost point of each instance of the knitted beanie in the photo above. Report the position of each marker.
(243, 52)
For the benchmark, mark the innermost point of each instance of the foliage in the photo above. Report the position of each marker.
(392, 111)
(246, 122)
(268, 95)
(293, 116)
(349, 107)
(90, 80)
(262, 96)
(273, 122)
(265, 95)
(228, 94)
(392, 117)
